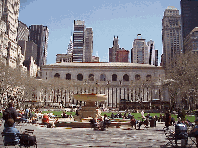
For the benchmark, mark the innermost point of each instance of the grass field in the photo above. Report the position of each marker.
(136, 115)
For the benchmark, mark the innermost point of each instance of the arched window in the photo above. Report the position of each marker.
(148, 78)
(68, 76)
(137, 77)
(102, 77)
(79, 77)
(114, 77)
(91, 77)
(125, 77)
(57, 75)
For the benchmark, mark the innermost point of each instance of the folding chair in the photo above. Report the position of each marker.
(193, 139)
(12, 139)
(170, 136)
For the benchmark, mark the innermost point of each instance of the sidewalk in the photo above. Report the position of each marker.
(61, 137)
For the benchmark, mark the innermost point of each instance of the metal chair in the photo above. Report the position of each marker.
(12, 139)
(170, 136)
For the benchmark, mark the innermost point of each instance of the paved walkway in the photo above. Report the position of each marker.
(62, 137)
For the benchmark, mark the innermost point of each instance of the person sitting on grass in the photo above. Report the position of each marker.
(8, 139)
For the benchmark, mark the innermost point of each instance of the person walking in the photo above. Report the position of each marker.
(168, 119)
(10, 113)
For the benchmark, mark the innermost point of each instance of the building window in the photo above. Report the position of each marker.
(102, 77)
(79, 77)
(91, 77)
(137, 77)
(125, 77)
(148, 78)
(57, 75)
(114, 77)
(68, 76)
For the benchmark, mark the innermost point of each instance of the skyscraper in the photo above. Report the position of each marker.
(88, 44)
(23, 31)
(11, 52)
(10, 14)
(78, 41)
(191, 41)
(70, 47)
(139, 52)
(113, 50)
(189, 16)
(39, 35)
(151, 50)
(171, 36)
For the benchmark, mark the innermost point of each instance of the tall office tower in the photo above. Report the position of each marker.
(3, 37)
(10, 14)
(22, 36)
(139, 52)
(156, 58)
(1, 9)
(113, 50)
(189, 15)
(171, 36)
(23, 32)
(70, 47)
(191, 41)
(88, 44)
(122, 55)
(78, 41)
(39, 35)
(151, 50)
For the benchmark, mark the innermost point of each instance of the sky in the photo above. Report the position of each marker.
(122, 18)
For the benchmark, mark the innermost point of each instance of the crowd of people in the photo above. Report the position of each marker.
(11, 116)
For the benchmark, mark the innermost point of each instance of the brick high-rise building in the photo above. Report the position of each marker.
(122, 55)
(39, 35)
(117, 54)
(113, 50)
(171, 36)
(189, 17)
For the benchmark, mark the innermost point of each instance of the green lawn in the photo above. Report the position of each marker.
(136, 115)
(58, 113)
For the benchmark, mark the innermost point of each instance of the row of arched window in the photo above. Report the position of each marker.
(102, 77)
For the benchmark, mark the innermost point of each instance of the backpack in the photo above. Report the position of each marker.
(27, 140)
(7, 114)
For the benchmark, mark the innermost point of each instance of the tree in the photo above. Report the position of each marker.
(182, 80)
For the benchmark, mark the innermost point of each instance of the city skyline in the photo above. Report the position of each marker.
(123, 19)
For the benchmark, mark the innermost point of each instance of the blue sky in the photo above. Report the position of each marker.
(122, 18)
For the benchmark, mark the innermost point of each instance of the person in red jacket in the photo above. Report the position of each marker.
(45, 119)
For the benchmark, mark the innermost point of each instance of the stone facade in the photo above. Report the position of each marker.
(119, 81)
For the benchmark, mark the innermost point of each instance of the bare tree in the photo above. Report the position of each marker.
(182, 80)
